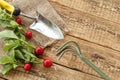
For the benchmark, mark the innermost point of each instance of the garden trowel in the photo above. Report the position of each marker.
(41, 23)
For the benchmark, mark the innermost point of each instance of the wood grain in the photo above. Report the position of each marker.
(87, 26)
(107, 9)
(40, 73)
(95, 26)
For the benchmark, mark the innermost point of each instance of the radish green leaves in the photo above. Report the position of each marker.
(18, 50)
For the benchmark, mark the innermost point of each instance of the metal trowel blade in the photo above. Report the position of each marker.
(47, 28)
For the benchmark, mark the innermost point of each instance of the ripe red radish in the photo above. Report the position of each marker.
(27, 67)
(39, 50)
(18, 20)
(47, 63)
(28, 34)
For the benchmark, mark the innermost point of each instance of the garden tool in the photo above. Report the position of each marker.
(72, 46)
(41, 23)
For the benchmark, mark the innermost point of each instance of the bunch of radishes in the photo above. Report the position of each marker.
(39, 51)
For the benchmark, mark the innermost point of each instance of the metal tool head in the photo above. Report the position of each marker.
(46, 27)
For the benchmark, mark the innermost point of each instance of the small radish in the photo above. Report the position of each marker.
(18, 20)
(39, 51)
(29, 34)
(27, 67)
(47, 63)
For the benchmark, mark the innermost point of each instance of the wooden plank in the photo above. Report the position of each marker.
(107, 9)
(1, 78)
(105, 58)
(18, 75)
(41, 73)
(86, 26)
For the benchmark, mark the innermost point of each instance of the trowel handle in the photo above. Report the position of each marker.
(10, 8)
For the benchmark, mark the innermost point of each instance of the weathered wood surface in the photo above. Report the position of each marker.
(95, 25)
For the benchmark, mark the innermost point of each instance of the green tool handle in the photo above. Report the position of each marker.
(95, 68)
(10, 8)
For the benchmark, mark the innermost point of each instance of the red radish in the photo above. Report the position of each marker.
(27, 67)
(47, 63)
(18, 20)
(39, 51)
(28, 34)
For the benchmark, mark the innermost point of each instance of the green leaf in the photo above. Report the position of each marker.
(7, 68)
(28, 53)
(5, 24)
(15, 66)
(10, 45)
(7, 21)
(13, 24)
(8, 34)
(27, 57)
(19, 54)
(22, 37)
(6, 60)
(29, 49)
(4, 15)
(33, 60)
(12, 53)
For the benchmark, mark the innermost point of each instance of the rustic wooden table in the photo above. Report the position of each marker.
(95, 25)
